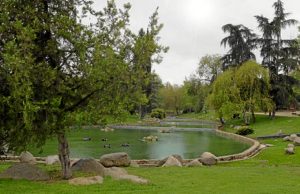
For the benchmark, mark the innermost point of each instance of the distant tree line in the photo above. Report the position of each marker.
(234, 84)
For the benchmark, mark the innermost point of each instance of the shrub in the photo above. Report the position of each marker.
(245, 130)
(158, 113)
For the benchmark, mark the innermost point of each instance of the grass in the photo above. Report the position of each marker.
(217, 179)
(271, 171)
(209, 115)
(265, 126)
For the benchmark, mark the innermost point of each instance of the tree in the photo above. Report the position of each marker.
(52, 67)
(253, 83)
(172, 98)
(156, 84)
(209, 68)
(224, 98)
(241, 42)
(146, 52)
(279, 55)
(195, 93)
(242, 90)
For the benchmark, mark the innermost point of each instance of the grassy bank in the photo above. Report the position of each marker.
(265, 126)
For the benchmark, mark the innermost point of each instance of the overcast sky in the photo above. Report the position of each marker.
(192, 28)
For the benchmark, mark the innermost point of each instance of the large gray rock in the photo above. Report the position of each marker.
(208, 158)
(115, 159)
(25, 171)
(172, 161)
(121, 174)
(194, 163)
(290, 145)
(50, 160)
(290, 150)
(88, 166)
(293, 137)
(163, 161)
(86, 180)
(297, 141)
(27, 157)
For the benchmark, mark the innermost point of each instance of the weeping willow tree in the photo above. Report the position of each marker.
(242, 91)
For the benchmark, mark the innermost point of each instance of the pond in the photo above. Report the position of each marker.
(189, 143)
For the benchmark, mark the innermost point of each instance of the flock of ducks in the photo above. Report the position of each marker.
(127, 144)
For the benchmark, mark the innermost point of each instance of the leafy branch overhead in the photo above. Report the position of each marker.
(55, 69)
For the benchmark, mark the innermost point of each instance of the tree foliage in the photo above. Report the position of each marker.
(279, 55)
(53, 67)
(195, 93)
(209, 67)
(172, 98)
(241, 90)
(147, 51)
(241, 41)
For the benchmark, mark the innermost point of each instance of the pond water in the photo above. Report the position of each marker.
(189, 144)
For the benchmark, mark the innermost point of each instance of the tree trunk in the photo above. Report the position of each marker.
(222, 121)
(142, 111)
(64, 156)
(273, 114)
(253, 116)
(244, 116)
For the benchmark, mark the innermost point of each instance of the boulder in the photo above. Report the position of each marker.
(134, 164)
(208, 158)
(293, 137)
(27, 157)
(172, 161)
(73, 161)
(194, 163)
(286, 138)
(290, 145)
(86, 180)
(25, 171)
(290, 150)
(178, 157)
(88, 166)
(121, 174)
(50, 160)
(165, 130)
(134, 179)
(297, 141)
(115, 172)
(115, 159)
(150, 138)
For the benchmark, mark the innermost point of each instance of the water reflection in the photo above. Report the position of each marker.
(169, 143)
(189, 144)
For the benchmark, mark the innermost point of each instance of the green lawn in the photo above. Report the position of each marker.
(269, 172)
(266, 126)
(218, 179)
